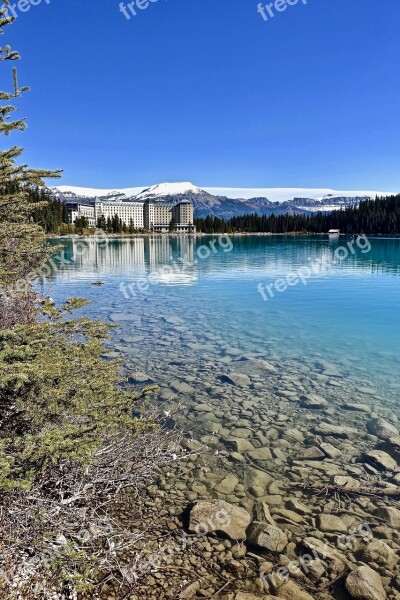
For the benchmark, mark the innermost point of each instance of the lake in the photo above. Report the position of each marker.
(279, 355)
(215, 290)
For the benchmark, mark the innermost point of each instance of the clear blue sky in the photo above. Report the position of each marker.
(207, 91)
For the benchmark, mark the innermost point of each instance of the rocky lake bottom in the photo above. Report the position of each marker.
(291, 486)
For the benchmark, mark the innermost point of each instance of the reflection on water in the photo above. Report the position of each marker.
(347, 313)
(252, 255)
(263, 385)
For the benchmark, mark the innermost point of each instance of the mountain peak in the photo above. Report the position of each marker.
(169, 189)
(227, 202)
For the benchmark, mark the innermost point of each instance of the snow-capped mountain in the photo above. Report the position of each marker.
(162, 190)
(227, 202)
(72, 192)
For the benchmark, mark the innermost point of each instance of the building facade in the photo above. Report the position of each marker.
(130, 213)
(158, 217)
(77, 211)
(183, 215)
(153, 216)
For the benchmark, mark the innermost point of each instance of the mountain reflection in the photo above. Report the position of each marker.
(183, 260)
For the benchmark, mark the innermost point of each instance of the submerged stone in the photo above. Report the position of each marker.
(257, 481)
(331, 524)
(380, 553)
(330, 451)
(313, 401)
(390, 515)
(327, 429)
(227, 485)
(382, 429)
(219, 516)
(380, 460)
(236, 379)
(260, 454)
(267, 536)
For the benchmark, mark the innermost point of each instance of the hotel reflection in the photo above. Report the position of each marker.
(168, 258)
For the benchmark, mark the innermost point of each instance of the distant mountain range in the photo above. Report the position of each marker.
(227, 202)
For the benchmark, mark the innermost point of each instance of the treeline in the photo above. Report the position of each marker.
(380, 216)
(372, 216)
(50, 213)
(114, 225)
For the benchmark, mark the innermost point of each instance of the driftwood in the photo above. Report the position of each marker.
(370, 492)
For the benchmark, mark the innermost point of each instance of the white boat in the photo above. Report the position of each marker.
(334, 233)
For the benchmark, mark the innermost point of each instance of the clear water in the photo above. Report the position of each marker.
(346, 314)
(194, 328)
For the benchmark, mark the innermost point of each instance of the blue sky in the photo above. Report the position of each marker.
(209, 92)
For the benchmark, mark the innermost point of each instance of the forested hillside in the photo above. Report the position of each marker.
(380, 216)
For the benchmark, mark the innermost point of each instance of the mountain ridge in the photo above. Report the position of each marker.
(274, 201)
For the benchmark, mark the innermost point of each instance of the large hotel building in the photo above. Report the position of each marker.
(154, 216)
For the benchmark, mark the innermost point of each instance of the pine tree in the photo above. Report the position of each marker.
(68, 437)
(22, 246)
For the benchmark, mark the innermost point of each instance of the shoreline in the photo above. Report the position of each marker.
(201, 235)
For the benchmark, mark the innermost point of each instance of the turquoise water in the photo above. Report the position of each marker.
(346, 313)
(257, 385)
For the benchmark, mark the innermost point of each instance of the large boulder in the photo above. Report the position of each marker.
(267, 536)
(365, 584)
(220, 517)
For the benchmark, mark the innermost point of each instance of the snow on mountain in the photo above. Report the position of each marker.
(228, 202)
(85, 192)
(284, 194)
(169, 189)
(172, 189)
